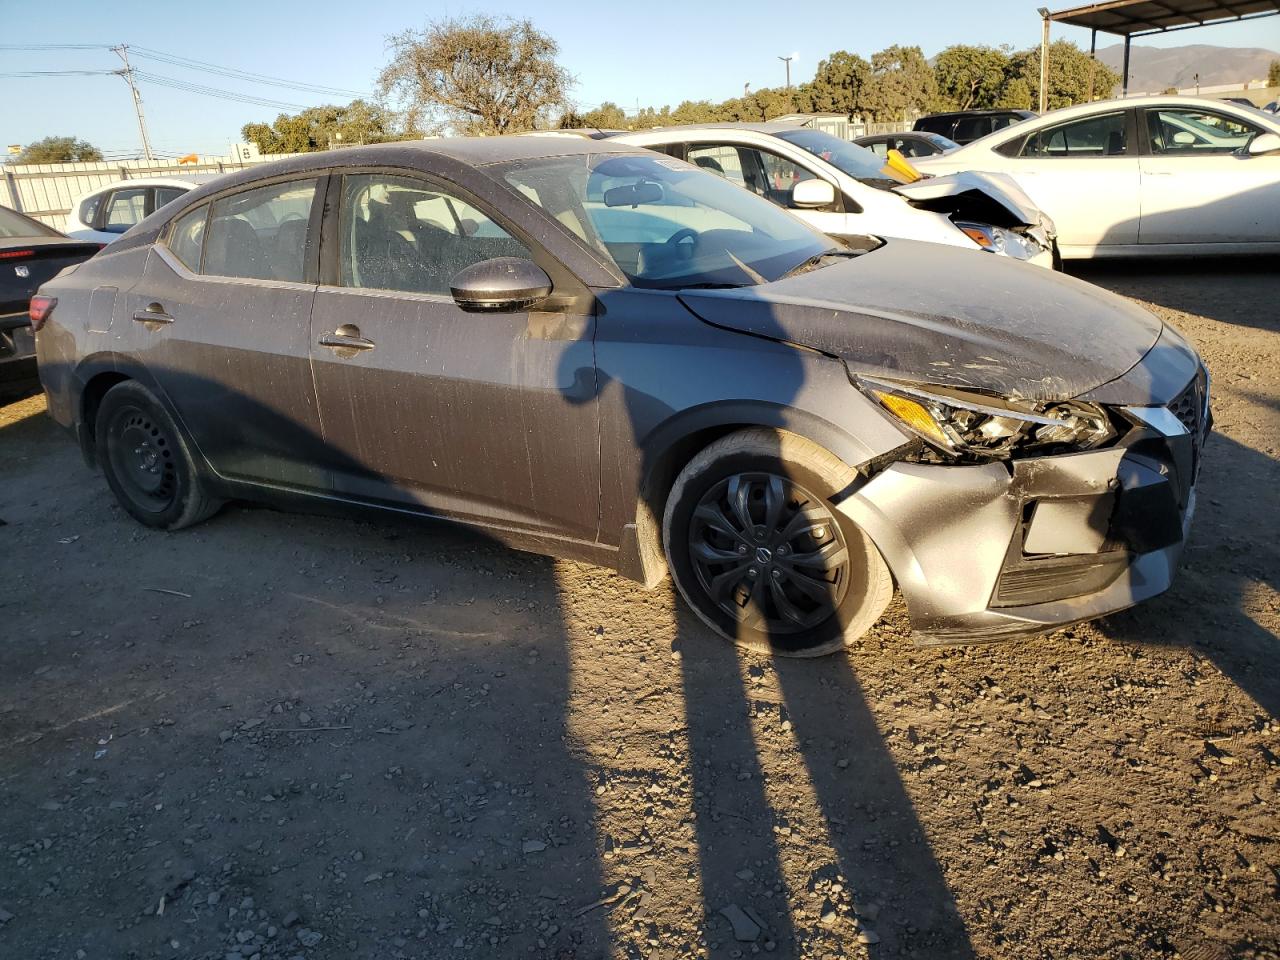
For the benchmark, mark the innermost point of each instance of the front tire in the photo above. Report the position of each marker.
(147, 462)
(756, 549)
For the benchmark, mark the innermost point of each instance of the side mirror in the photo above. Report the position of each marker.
(1264, 143)
(504, 284)
(811, 193)
(1184, 138)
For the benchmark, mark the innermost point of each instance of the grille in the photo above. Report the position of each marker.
(1188, 406)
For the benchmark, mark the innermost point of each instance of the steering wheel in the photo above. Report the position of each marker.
(679, 237)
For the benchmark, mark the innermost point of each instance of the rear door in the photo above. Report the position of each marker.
(1196, 189)
(486, 417)
(222, 321)
(1083, 173)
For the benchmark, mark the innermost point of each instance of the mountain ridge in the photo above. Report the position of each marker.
(1153, 69)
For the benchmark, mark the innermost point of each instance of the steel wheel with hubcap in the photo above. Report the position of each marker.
(759, 553)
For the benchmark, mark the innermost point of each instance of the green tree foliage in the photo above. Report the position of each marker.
(1016, 95)
(1074, 76)
(59, 150)
(970, 78)
(476, 75)
(838, 84)
(319, 128)
(1273, 74)
(607, 116)
(901, 83)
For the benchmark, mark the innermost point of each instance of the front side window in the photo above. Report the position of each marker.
(403, 234)
(666, 223)
(1196, 133)
(124, 209)
(261, 234)
(973, 128)
(186, 239)
(1101, 136)
(858, 162)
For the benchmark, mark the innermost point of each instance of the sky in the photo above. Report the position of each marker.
(658, 52)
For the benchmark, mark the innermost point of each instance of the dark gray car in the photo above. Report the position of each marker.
(608, 354)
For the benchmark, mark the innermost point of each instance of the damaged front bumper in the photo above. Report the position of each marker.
(1023, 547)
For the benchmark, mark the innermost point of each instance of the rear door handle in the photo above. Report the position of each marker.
(153, 314)
(346, 338)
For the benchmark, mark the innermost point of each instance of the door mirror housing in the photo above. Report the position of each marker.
(811, 193)
(504, 284)
(1264, 143)
(1184, 138)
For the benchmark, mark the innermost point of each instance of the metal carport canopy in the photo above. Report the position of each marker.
(1142, 18)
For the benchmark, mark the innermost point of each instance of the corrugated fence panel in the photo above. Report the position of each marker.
(46, 191)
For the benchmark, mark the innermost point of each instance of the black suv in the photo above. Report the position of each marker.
(966, 126)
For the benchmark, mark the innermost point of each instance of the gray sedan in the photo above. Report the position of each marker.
(603, 353)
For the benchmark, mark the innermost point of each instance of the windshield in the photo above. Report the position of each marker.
(665, 223)
(941, 142)
(858, 162)
(16, 225)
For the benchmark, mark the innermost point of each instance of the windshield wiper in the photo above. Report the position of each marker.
(816, 261)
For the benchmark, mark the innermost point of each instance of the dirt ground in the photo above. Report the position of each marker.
(278, 736)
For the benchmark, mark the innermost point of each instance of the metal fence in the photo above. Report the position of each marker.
(45, 191)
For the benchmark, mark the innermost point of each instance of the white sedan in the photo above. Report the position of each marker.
(1143, 176)
(104, 213)
(847, 191)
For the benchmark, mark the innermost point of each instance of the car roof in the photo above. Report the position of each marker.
(1149, 100)
(993, 112)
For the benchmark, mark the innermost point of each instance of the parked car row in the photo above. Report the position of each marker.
(1142, 176)
(588, 348)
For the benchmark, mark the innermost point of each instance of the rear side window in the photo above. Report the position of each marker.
(89, 209)
(186, 240)
(261, 234)
(972, 128)
(1101, 136)
(167, 195)
(124, 209)
(940, 125)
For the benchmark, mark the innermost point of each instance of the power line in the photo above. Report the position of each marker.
(234, 73)
(59, 73)
(190, 87)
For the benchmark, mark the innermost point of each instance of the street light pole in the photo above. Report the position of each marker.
(1044, 59)
(123, 52)
(787, 61)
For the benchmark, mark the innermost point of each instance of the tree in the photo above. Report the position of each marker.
(970, 78)
(319, 128)
(476, 75)
(838, 84)
(1074, 76)
(59, 150)
(1016, 95)
(607, 116)
(901, 82)
(1273, 74)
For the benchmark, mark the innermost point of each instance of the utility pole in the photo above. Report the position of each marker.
(1044, 59)
(127, 73)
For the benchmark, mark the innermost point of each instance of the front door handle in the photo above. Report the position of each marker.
(153, 314)
(346, 340)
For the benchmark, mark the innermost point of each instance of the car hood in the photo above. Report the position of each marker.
(930, 314)
(993, 198)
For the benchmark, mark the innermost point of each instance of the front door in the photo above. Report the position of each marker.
(1196, 189)
(1084, 174)
(221, 319)
(487, 417)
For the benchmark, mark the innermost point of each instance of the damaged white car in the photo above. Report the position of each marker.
(848, 192)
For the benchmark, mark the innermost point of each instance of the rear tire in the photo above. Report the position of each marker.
(147, 462)
(757, 550)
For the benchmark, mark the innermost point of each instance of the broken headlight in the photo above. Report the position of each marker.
(1008, 243)
(959, 425)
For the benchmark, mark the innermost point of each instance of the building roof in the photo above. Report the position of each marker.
(1137, 18)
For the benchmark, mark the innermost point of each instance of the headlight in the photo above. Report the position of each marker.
(958, 425)
(1008, 243)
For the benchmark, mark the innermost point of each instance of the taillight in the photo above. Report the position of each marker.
(15, 254)
(40, 310)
